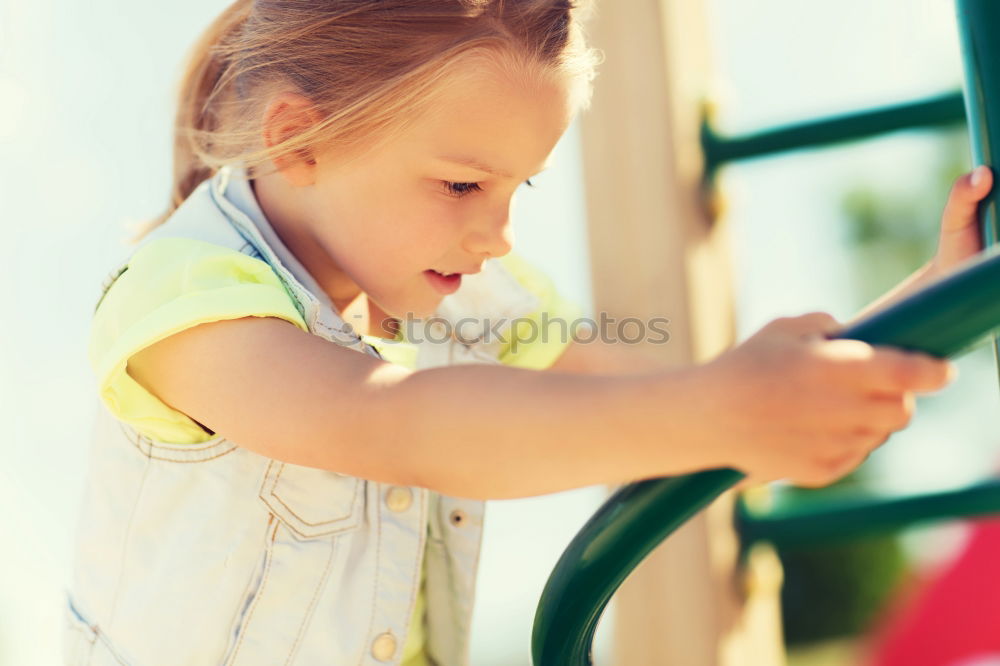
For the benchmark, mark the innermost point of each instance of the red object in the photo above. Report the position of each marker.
(954, 618)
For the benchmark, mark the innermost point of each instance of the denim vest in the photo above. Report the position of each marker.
(213, 554)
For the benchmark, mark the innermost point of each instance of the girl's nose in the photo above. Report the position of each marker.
(493, 237)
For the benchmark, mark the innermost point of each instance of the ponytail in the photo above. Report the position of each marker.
(195, 115)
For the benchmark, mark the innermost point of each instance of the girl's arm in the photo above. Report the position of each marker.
(472, 430)
(782, 404)
(958, 240)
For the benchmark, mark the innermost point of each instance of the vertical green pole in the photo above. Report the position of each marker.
(978, 21)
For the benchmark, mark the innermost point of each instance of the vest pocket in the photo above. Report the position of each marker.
(312, 502)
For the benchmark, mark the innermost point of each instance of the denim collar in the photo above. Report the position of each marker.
(239, 192)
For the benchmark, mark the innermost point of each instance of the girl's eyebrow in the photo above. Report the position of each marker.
(479, 166)
(475, 164)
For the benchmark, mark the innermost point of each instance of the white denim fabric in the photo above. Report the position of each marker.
(212, 554)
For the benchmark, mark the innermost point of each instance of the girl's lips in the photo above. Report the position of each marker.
(445, 285)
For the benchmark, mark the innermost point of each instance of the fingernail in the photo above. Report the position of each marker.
(977, 175)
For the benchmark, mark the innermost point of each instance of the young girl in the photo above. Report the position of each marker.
(264, 486)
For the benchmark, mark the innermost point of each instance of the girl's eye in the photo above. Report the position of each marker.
(461, 189)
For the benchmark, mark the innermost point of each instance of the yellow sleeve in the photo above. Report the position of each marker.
(171, 284)
(537, 340)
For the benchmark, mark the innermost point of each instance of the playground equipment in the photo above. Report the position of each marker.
(946, 319)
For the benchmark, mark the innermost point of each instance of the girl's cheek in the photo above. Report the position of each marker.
(441, 218)
(435, 231)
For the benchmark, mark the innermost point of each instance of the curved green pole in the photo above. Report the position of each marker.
(945, 319)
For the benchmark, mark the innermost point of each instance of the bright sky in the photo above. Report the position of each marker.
(86, 104)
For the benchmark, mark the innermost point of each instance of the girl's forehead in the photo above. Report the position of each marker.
(493, 123)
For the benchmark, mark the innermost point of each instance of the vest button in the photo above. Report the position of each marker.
(398, 498)
(384, 647)
(458, 518)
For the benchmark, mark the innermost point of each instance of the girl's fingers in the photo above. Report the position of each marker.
(968, 190)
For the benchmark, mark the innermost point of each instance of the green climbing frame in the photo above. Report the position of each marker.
(946, 319)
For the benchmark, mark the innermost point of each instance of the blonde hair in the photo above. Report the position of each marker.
(368, 66)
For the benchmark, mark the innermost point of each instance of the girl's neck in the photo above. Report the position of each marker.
(353, 305)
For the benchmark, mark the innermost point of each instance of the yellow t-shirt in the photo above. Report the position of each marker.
(171, 284)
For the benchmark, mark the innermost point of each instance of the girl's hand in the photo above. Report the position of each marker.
(960, 236)
(790, 403)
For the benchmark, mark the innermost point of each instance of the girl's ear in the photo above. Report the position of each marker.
(287, 116)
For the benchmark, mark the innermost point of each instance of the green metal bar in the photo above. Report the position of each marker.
(799, 526)
(977, 21)
(945, 319)
(934, 112)
(623, 531)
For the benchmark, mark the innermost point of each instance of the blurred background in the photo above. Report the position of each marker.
(85, 111)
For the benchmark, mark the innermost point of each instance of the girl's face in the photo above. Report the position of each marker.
(437, 197)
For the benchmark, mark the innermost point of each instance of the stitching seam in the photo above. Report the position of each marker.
(260, 593)
(321, 583)
(125, 543)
